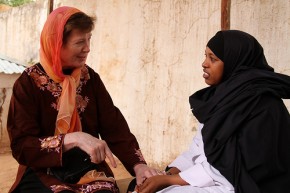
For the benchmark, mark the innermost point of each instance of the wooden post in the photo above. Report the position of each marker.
(225, 14)
(50, 6)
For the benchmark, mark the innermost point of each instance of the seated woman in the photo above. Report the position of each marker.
(243, 143)
(62, 121)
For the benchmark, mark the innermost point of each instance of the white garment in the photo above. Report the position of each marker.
(192, 189)
(195, 170)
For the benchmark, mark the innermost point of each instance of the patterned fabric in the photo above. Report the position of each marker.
(88, 188)
(44, 82)
(50, 45)
(51, 143)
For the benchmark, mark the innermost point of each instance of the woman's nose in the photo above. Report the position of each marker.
(86, 48)
(204, 64)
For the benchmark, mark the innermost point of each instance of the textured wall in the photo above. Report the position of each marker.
(6, 83)
(269, 22)
(149, 55)
(20, 29)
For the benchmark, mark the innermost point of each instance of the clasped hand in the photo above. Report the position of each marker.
(96, 148)
(160, 181)
(154, 183)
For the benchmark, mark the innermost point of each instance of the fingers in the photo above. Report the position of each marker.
(144, 186)
(140, 179)
(153, 172)
(110, 156)
(97, 155)
(144, 172)
(99, 152)
(151, 185)
(96, 148)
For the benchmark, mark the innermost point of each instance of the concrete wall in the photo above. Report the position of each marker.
(149, 55)
(20, 29)
(6, 84)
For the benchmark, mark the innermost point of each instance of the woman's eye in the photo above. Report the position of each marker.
(80, 42)
(212, 59)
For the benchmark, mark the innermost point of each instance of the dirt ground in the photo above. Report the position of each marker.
(7, 172)
(9, 167)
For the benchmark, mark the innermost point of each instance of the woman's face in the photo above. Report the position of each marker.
(74, 53)
(213, 68)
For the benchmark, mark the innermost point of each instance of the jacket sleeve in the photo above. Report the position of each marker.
(31, 145)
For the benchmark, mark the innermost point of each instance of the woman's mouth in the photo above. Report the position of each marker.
(82, 57)
(205, 74)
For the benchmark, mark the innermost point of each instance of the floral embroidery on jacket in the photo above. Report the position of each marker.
(59, 188)
(87, 188)
(43, 82)
(81, 102)
(139, 155)
(99, 185)
(51, 143)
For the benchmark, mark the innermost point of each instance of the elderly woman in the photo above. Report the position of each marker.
(243, 143)
(62, 121)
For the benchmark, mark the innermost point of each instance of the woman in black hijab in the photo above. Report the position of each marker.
(246, 130)
(243, 143)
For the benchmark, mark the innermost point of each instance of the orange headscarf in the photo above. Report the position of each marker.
(50, 46)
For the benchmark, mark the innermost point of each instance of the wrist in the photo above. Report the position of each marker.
(68, 142)
(175, 179)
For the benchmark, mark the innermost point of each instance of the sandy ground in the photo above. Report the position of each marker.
(9, 167)
(7, 172)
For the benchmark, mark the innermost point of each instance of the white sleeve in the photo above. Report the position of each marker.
(194, 167)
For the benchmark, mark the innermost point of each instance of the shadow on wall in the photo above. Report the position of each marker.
(2, 99)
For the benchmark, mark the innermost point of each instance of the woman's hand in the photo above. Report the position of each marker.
(160, 182)
(155, 183)
(96, 148)
(142, 172)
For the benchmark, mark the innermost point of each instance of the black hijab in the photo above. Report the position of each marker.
(227, 109)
